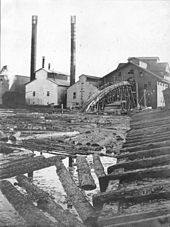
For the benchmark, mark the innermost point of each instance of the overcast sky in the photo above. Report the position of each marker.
(107, 33)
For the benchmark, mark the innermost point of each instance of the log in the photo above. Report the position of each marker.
(98, 167)
(46, 203)
(49, 135)
(140, 136)
(149, 137)
(151, 124)
(143, 154)
(85, 178)
(146, 146)
(145, 141)
(138, 194)
(36, 163)
(110, 221)
(31, 214)
(151, 130)
(130, 176)
(84, 208)
(146, 121)
(161, 220)
(141, 163)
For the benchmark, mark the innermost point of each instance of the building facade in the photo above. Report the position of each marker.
(49, 87)
(82, 90)
(149, 76)
(4, 83)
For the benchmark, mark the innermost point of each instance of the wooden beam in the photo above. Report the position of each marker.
(46, 203)
(129, 176)
(125, 218)
(98, 167)
(145, 141)
(33, 164)
(145, 146)
(141, 163)
(84, 208)
(138, 194)
(143, 154)
(31, 214)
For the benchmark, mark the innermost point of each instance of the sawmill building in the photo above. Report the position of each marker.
(48, 87)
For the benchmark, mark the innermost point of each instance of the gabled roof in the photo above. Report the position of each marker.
(52, 71)
(131, 63)
(144, 58)
(91, 77)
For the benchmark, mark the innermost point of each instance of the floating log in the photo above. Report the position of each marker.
(143, 154)
(49, 135)
(141, 163)
(36, 163)
(84, 208)
(98, 167)
(129, 176)
(46, 203)
(146, 146)
(85, 178)
(31, 214)
(138, 194)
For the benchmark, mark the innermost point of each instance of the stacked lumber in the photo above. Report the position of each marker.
(142, 196)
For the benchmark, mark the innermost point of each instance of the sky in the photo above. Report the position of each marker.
(107, 33)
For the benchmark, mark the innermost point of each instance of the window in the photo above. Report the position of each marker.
(120, 73)
(33, 93)
(48, 93)
(74, 95)
(145, 86)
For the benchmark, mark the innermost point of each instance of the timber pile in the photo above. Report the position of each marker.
(141, 177)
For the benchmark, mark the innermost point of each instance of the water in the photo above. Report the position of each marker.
(48, 180)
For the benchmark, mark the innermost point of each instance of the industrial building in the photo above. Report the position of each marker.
(82, 90)
(4, 83)
(148, 74)
(48, 87)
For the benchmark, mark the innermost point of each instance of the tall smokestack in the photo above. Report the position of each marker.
(33, 47)
(43, 61)
(73, 51)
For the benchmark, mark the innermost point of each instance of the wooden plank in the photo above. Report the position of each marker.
(98, 167)
(147, 131)
(160, 221)
(141, 163)
(138, 194)
(145, 141)
(146, 146)
(143, 154)
(147, 138)
(33, 164)
(125, 218)
(129, 176)
(31, 214)
(46, 203)
(85, 210)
